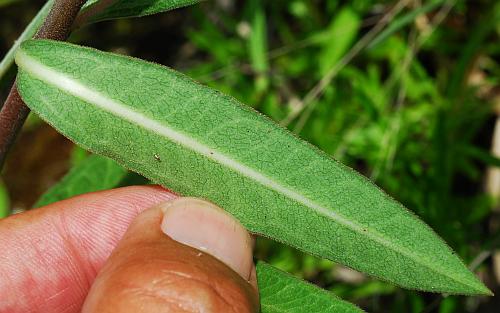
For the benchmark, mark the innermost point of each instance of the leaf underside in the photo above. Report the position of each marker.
(282, 293)
(199, 142)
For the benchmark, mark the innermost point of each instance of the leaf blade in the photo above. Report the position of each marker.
(101, 10)
(282, 293)
(340, 35)
(95, 173)
(4, 201)
(211, 146)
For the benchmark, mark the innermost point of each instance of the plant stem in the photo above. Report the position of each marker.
(58, 23)
(56, 26)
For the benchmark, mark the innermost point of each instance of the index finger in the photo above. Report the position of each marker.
(50, 256)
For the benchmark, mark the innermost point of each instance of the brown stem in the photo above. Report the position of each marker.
(57, 26)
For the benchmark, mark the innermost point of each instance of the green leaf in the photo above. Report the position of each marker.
(257, 44)
(341, 34)
(4, 201)
(485, 157)
(93, 174)
(258, 37)
(199, 142)
(280, 292)
(99, 10)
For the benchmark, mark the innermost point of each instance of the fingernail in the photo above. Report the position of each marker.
(206, 227)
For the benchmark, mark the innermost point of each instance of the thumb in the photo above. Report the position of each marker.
(186, 255)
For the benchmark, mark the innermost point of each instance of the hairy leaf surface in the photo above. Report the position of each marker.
(199, 142)
(93, 174)
(280, 292)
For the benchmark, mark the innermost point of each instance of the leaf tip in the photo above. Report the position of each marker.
(482, 290)
(476, 287)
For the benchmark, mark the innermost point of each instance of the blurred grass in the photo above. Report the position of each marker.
(414, 110)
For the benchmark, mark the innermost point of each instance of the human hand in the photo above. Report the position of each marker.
(107, 252)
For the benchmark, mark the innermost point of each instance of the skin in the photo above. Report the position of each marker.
(114, 251)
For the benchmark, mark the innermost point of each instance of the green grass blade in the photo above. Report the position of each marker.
(258, 38)
(92, 174)
(280, 292)
(199, 142)
(257, 44)
(403, 21)
(341, 34)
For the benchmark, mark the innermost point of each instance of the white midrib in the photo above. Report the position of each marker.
(85, 93)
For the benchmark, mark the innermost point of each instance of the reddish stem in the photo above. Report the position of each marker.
(57, 26)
